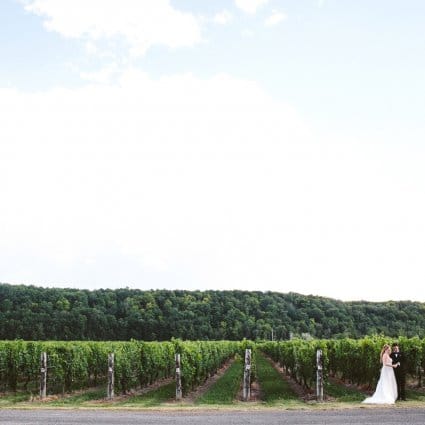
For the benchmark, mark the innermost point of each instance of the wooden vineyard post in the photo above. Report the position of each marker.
(319, 375)
(179, 393)
(247, 376)
(110, 389)
(43, 375)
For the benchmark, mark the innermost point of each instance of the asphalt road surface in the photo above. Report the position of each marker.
(341, 417)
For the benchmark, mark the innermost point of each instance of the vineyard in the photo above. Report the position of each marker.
(81, 366)
(78, 365)
(353, 361)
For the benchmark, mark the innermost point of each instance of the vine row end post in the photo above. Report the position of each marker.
(319, 375)
(43, 375)
(247, 376)
(110, 389)
(179, 392)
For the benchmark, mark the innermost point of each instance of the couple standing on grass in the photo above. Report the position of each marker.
(391, 384)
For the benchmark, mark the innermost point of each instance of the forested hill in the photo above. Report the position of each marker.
(33, 313)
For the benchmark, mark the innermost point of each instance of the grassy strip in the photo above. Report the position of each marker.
(343, 394)
(275, 392)
(274, 389)
(415, 395)
(79, 399)
(154, 398)
(225, 389)
(13, 398)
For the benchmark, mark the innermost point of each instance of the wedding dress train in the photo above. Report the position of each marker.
(386, 389)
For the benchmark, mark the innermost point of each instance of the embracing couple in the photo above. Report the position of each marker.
(391, 384)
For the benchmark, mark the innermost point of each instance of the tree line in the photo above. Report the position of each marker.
(36, 313)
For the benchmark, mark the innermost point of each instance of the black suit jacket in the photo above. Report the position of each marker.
(398, 358)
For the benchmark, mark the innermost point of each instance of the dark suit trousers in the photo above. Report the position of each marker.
(400, 377)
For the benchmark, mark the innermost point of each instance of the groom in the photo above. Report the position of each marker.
(400, 371)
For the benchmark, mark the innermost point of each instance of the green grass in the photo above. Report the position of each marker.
(343, 394)
(274, 389)
(415, 395)
(13, 398)
(161, 395)
(225, 389)
(79, 399)
(93, 399)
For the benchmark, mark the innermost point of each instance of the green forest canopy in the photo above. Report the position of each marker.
(35, 313)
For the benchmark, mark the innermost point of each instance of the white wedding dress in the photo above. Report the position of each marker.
(386, 390)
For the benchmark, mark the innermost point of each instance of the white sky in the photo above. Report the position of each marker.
(247, 144)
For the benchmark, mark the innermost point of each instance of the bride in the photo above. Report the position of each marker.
(386, 390)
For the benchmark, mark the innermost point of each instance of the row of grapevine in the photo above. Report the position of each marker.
(298, 358)
(201, 359)
(78, 365)
(355, 361)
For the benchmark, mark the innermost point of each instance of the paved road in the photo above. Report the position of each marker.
(347, 417)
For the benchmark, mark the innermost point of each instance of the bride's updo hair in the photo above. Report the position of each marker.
(384, 348)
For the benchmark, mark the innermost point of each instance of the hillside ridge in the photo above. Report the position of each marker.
(37, 313)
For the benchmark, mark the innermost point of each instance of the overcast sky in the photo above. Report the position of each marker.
(239, 144)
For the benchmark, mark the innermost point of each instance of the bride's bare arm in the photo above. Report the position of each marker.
(387, 361)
